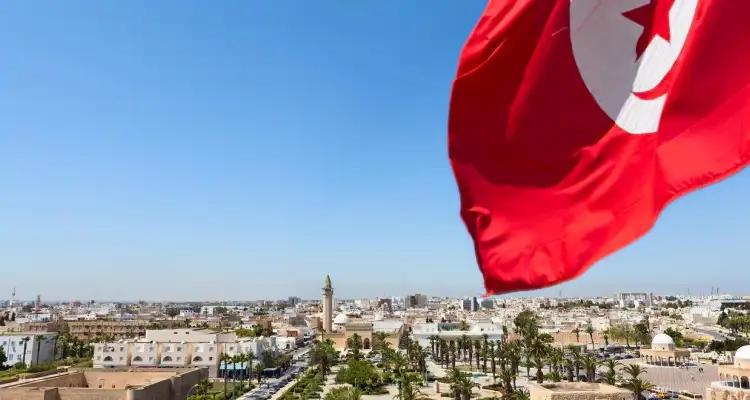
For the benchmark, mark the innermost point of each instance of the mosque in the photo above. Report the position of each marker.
(663, 352)
(342, 327)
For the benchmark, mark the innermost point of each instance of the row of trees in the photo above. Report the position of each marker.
(534, 350)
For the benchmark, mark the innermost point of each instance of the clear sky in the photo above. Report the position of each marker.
(244, 149)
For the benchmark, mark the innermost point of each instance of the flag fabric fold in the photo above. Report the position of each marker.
(574, 123)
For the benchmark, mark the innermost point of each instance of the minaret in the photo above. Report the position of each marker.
(327, 305)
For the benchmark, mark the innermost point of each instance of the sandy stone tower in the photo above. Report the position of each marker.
(327, 305)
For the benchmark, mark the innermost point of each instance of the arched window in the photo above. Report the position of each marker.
(107, 358)
(137, 359)
(366, 343)
(197, 359)
(167, 359)
(744, 383)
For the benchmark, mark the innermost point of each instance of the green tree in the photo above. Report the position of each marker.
(634, 382)
(3, 356)
(354, 343)
(344, 393)
(25, 343)
(460, 384)
(610, 375)
(590, 332)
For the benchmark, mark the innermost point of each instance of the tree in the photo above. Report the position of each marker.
(379, 341)
(590, 332)
(589, 362)
(610, 376)
(172, 312)
(354, 343)
(577, 332)
(259, 372)
(344, 393)
(225, 358)
(360, 374)
(461, 385)
(3, 356)
(323, 355)
(634, 382)
(38, 340)
(25, 343)
(410, 389)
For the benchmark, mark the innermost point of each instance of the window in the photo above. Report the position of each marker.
(151, 358)
(120, 358)
(179, 348)
(210, 358)
(179, 358)
(122, 349)
(137, 359)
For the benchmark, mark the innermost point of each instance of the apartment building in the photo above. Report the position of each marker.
(179, 348)
(88, 331)
(31, 348)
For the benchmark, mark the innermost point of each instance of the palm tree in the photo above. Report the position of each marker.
(236, 359)
(354, 343)
(203, 387)
(410, 391)
(605, 334)
(610, 376)
(399, 364)
(463, 326)
(555, 358)
(464, 342)
(634, 382)
(38, 340)
(538, 353)
(259, 372)
(590, 332)
(461, 385)
(225, 358)
(470, 348)
(249, 356)
(434, 339)
(589, 365)
(452, 352)
(491, 354)
(379, 340)
(577, 332)
(25, 343)
(484, 353)
(477, 351)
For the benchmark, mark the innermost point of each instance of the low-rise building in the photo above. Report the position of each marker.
(181, 348)
(31, 348)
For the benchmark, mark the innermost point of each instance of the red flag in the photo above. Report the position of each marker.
(574, 123)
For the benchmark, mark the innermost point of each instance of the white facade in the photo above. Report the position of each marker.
(181, 347)
(112, 354)
(39, 348)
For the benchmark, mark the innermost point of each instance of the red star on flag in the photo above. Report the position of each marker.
(654, 17)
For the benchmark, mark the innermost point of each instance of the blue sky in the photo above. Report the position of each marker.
(245, 149)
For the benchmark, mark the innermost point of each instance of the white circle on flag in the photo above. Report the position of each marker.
(626, 85)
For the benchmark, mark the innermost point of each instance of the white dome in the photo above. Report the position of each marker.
(662, 340)
(742, 354)
(341, 319)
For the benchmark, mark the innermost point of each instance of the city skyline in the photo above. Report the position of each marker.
(182, 153)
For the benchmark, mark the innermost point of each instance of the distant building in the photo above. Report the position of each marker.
(488, 304)
(415, 301)
(88, 331)
(294, 300)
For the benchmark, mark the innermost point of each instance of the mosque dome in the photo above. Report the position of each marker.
(742, 357)
(341, 319)
(662, 342)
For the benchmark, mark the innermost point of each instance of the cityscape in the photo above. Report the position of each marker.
(413, 346)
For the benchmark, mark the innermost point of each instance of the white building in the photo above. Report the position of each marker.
(32, 348)
(182, 347)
